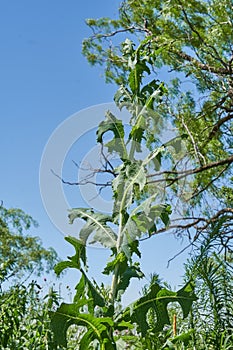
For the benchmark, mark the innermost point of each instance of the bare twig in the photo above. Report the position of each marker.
(179, 253)
(83, 182)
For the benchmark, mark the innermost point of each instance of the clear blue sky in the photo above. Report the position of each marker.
(43, 80)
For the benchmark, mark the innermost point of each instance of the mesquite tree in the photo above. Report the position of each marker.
(191, 43)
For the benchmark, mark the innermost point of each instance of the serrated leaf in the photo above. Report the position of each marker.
(131, 272)
(62, 265)
(144, 114)
(125, 272)
(131, 180)
(117, 144)
(137, 131)
(80, 290)
(97, 328)
(119, 260)
(136, 74)
(87, 291)
(149, 88)
(157, 299)
(131, 174)
(96, 224)
(133, 246)
(144, 223)
(123, 98)
(186, 297)
(128, 47)
(93, 292)
(130, 233)
(142, 220)
(74, 261)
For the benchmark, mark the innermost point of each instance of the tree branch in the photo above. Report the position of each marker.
(184, 173)
(182, 227)
(123, 30)
(202, 66)
(218, 125)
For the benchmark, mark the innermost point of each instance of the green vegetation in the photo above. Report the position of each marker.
(24, 314)
(182, 185)
(21, 253)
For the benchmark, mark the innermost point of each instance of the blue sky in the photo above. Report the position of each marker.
(44, 79)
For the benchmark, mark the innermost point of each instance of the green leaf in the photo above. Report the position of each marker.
(96, 223)
(130, 272)
(183, 337)
(145, 112)
(138, 130)
(117, 144)
(92, 292)
(97, 328)
(128, 47)
(74, 261)
(119, 260)
(80, 290)
(125, 272)
(186, 297)
(136, 74)
(166, 211)
(149, 88)
(143, 220)
(123, 98)
(157, 300)
(130, 175)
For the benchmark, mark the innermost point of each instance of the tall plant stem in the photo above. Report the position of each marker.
(115, 276)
